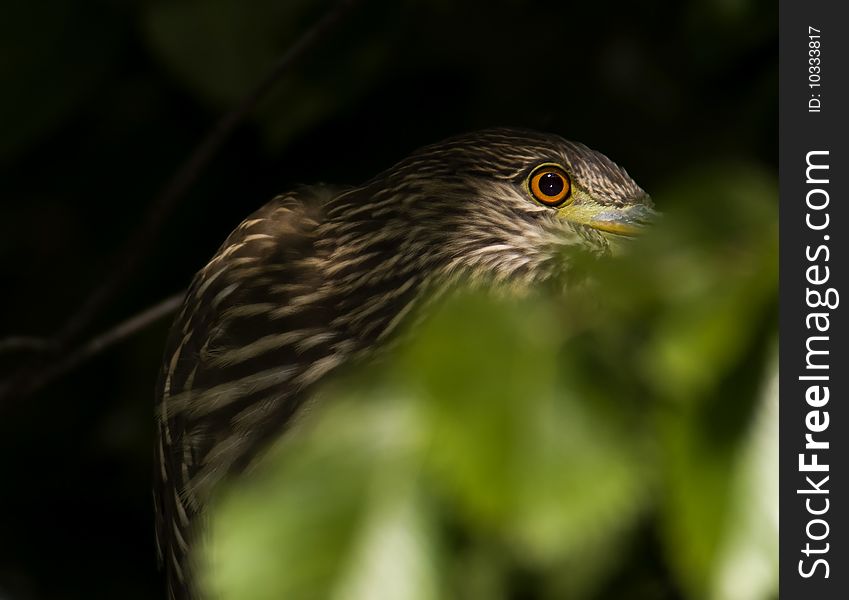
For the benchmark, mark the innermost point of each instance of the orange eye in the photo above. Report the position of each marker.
(550, 185)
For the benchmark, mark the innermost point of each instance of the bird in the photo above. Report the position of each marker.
(321, 277)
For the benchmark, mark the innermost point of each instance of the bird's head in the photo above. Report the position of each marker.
(501, 204)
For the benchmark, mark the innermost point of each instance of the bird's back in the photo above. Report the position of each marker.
(252, 336)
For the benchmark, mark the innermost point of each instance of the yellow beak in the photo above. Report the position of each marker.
(628, 220)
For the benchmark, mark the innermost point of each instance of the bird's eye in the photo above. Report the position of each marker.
(550, 185)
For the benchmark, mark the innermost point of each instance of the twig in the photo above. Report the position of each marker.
(23, 343)
(96, 345)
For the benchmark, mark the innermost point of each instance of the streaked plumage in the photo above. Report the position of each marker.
(319, 277)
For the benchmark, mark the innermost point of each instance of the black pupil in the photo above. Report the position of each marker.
(551, 184)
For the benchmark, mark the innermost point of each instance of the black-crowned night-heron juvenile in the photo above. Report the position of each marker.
(322, 276)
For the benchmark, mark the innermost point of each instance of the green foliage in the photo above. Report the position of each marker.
(538, 447)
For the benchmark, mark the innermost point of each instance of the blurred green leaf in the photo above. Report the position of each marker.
(706, 351)
(334, 514)
(518, 447)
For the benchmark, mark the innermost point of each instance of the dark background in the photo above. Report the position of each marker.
(102, 101)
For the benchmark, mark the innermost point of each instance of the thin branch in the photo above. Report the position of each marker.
(94, 346)
(23, 343)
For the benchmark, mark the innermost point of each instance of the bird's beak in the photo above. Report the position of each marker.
(627, 220)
